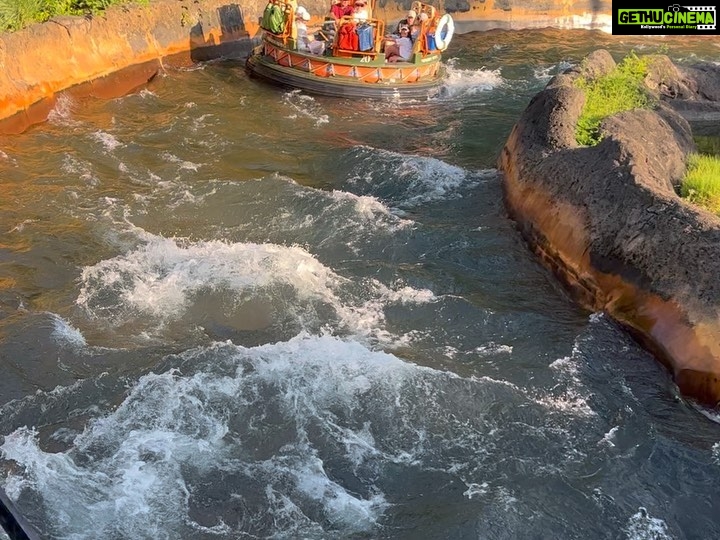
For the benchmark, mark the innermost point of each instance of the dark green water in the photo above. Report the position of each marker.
(233, 311)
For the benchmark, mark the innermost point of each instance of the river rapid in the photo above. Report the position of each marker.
(230, 310)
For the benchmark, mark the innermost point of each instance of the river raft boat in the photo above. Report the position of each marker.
(336, 66)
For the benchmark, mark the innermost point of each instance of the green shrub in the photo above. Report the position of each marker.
(620, 90)
(17, 14)
(701, 184)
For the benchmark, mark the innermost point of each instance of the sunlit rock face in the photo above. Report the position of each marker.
(607, 219)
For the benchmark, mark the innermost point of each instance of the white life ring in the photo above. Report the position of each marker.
(445, 21)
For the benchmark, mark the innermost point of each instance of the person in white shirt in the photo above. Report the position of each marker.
(401, 50)
(301, 18)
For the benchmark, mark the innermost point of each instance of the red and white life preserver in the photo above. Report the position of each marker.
(446, 26)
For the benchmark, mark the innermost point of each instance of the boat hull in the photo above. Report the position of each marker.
(342, 78)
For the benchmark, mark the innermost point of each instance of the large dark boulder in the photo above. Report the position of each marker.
(608, 221)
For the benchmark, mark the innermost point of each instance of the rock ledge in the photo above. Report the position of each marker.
(608, 221)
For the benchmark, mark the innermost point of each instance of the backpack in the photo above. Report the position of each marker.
(273, 19)
(347, 37)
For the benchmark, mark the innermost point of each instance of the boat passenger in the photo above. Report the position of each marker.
(416, 29)
(302, 16)
(401, 50)
(409, 21)
(360, 12)
(341, 9)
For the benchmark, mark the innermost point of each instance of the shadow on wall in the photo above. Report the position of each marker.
(234, 40)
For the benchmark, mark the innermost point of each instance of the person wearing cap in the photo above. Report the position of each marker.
(341, 9)
(401, 49)
(302, 16)
(421, 21)
(409, 21)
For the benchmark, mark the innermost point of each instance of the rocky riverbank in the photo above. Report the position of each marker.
(608, 221)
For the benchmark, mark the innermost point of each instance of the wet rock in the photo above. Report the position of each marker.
(608, 221)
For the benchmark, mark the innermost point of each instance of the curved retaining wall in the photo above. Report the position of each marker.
(607, 220)
(43, 59)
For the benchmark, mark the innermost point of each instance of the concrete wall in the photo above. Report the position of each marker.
(39, 61)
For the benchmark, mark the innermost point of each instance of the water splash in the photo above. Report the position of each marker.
(408, 181)
(467, 82)
(255, 285)
(305, 438)
(642, 526)
(305, 106)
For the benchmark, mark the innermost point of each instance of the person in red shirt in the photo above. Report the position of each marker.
(341, 9)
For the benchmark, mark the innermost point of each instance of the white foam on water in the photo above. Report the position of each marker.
(609, 437)
(82, 169)
(716, 453)
(186, 165)
(127, 471)
(574, 396)
(305, 106)
(157, 278)
(162, 280)
(117, 496)
(417, 180)
(711, 414)
(360, 445)
(467, 82)
(62, 112)
(366, 207)
(263, 417)
(343, 509)
(492, 348)
(64, 333)
(108, 141)
(337, 218)
(548, 72)
(642, 526)
(11, 409)
(476, 490)
(20, 227)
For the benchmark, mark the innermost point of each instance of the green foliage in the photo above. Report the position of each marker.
(701, 184)
(17, 14)
(620, 90)
(707, 144)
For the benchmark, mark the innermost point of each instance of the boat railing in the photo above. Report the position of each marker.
(422, 42)
(13, 522)
(376, 27)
